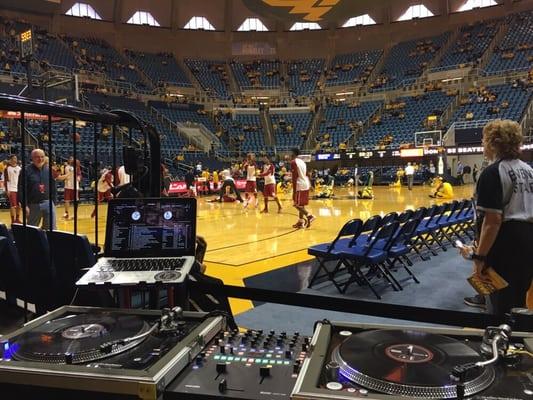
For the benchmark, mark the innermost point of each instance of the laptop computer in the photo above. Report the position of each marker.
(148, 241)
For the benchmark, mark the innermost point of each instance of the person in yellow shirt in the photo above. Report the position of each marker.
(443, 190)
(399, 176)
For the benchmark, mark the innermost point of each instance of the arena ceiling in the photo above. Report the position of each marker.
(227, 15)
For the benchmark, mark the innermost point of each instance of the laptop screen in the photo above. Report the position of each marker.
(164, 227)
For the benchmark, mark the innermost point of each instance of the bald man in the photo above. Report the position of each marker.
(38, 191)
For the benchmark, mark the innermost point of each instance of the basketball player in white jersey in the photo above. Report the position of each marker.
(72, 179)
(123, 177)
(11, 178)
(104, 186)
(300, 190)
(251, 186)
(270, 184)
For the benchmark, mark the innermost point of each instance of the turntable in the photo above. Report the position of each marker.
(387, 362)
(83, 351)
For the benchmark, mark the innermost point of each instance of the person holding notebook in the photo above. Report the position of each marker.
(504, 207)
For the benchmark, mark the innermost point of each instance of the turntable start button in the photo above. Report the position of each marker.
(334, 386)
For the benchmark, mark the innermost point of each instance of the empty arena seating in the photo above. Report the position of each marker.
(211, 75)
(341, 120)
(257, 74)
(160, 67)
(407, 60)
(290, 129)
(508, 101)
(304, 75)
(51, 50)
(97, 55)
(402, 118)
(472, 42)
(516, 49)
(352, 68)
(246, 132)
(184, 116)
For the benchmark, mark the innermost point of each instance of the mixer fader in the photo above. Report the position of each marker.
(244, 365)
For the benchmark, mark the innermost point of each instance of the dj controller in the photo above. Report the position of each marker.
(87, 353)
(247, 365)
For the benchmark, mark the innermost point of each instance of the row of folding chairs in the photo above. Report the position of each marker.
(39, 268)
(378, 247)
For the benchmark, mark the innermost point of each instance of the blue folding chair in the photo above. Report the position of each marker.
(12, 274)
(325, 252)
(400, 248)
(71, 255)
(35, 255)
(372, 256)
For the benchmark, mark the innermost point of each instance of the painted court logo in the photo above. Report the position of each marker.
(313, 10)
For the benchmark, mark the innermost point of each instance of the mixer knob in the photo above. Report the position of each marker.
(304, 347)
(265, 345)
(288, 354)
(222, 349)
(306, 340)
(272, 333)
(244, 339)
(68, 358)
(296, 334)
(222, 386)
(264, 372)
(259, 332)
(199, 360)
(279, 342)
(231, 350)
(249, 332)
(221, 368)
(202, 354)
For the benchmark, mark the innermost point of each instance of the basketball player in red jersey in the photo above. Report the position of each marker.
(300, 190)
(270, 184)
(11, 178)
(251, 187)
(104, 186)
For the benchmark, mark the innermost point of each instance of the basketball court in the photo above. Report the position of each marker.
(244, 243)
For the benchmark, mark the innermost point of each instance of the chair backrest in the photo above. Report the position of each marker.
(454, 206)
(71, 254)
(371, 225)
(442, 210)
(405, 216)
(390, 217)
(420, 213)
(35, 256)
(384, 236)
(351, 228)
(405, 232)
(11, 268)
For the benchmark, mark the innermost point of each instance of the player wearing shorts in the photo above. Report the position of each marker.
(300, 190)
(251, 186)
(104, 186)
(71, 179)
(11, 178)
(269, 189)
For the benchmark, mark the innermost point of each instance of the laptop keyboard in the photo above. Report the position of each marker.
(159, 264)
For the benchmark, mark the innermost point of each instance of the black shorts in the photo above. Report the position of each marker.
(511, 256)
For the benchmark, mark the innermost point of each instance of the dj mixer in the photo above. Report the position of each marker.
(243, 365)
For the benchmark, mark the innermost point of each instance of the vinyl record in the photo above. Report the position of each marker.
(77, 338)
(409, 363)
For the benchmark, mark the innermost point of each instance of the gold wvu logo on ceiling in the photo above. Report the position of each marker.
(313, 9)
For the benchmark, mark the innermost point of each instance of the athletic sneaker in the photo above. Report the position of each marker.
(475, 301)
(301, 224)
(310, 219)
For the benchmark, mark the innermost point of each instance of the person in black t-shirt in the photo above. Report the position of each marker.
(504, 210)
